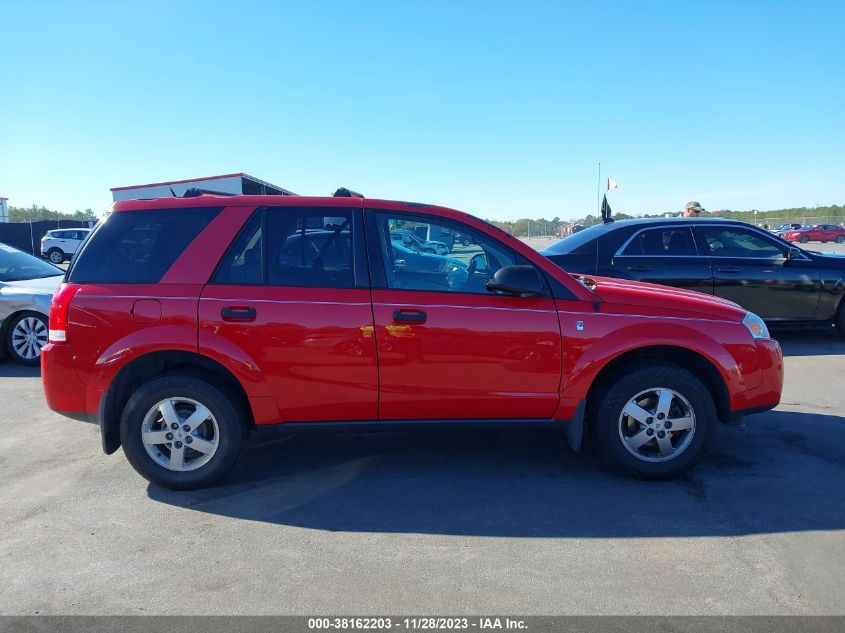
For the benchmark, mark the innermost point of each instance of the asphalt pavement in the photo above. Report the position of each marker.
(433, 522)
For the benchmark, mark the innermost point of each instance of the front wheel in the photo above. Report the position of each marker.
(181, 432)
(56, 256)
(803, 239)
(840, 239)
(654, 423)
(27, 334)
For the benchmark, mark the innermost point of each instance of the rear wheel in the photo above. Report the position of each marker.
(655, 423)
(181, 432)
(56, 256)
(840, 239)
(27, 334)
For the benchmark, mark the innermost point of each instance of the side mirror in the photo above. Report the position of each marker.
(793, 253)
(522, 281)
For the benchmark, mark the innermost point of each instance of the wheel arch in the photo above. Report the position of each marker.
(140, 369)
(683, 357)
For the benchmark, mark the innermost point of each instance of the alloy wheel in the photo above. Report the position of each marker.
(657, 424)
(56, 257)
(28, 337)
(180, 434)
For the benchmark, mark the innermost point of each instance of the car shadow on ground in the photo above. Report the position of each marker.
(776, 472)
(8, 369)
(827, 342)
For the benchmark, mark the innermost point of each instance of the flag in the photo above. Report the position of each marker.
(605, 211)
(612, 184)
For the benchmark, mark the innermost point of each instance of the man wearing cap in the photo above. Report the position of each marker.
(693, 210)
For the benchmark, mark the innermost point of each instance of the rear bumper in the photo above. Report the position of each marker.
(63, 390)
(767, 394)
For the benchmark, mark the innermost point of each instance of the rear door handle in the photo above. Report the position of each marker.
(410, 316)
(728, 269)
(233, 313)
(639, 268)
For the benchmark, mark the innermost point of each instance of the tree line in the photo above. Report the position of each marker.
(37, 213)
(546, 226)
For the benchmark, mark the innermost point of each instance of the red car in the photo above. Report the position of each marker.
(185, 323)
(816, 233)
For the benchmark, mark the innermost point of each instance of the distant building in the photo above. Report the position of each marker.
(236, 184)
(4, 209)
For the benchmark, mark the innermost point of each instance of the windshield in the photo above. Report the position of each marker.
(574, 242)
(16, 265)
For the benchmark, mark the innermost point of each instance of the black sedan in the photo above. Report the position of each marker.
(785, 285)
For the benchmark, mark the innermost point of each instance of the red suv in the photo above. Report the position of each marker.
(185, 323)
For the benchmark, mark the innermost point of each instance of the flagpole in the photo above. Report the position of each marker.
(598, 191)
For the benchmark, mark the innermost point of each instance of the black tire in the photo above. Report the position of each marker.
(840, 239)
(803, 239)
(606, 423)
(230, 421)
(12, 332)
(56, 255)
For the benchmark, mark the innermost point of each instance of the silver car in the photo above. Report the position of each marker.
(26, 286)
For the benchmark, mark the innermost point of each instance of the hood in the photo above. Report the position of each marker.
(43, 286)
(665, 299)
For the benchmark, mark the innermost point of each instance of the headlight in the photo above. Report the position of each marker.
(755, 325)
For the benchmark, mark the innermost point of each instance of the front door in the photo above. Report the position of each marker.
(291, 296)
(753, 270)
(447, 347)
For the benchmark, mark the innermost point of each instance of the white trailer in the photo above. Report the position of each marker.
(233, 184)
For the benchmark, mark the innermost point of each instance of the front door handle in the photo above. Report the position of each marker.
(640, 268)
(728, 269)
(238, 313)
(409, 316)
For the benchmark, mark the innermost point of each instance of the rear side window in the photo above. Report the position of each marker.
(310, 248)
(138, 247)
(663, 241)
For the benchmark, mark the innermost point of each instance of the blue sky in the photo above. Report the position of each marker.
(502, 109)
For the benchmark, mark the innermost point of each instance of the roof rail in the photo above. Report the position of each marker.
(196, 192)
(343, 192)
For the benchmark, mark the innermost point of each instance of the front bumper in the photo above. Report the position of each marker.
(767, 394)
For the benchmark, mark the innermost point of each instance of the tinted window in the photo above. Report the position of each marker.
(735, 242)
(309, 248)
(241, 265)
(138, 246)
(464, 269)
(662, 241)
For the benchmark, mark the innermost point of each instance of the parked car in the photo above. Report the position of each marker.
(26, 286)
(414, 243)
(785, 285)
(780, 229)
(211, 326)
(59, 245)
(816, 233)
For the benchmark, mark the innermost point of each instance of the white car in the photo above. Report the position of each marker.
(59, 245)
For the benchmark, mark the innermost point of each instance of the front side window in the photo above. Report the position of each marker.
(662, 241)
(737, 242)
(411, 247)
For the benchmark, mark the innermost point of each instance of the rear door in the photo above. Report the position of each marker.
(665, 255)
(447, 347)
(292, 296)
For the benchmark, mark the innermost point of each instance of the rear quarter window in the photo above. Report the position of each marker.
(137, 247)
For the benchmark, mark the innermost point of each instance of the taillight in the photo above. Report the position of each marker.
(59, 307)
